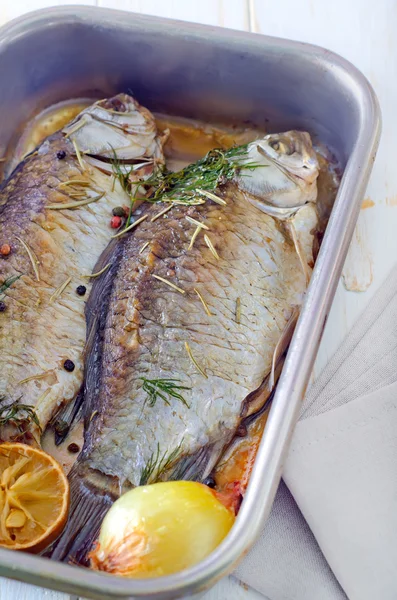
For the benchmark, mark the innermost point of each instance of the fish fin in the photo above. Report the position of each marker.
(65, 417)
(89, 504)
(196, 467)
(299, 250)
(282, 344)
(95, 312)
(254, 402)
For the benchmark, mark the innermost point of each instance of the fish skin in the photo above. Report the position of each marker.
(36, 335)
(140, 329)
(148, 323)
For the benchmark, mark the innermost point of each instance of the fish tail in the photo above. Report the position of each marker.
(89, 504)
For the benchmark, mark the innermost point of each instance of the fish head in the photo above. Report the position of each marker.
(281, 170)
(116, 128)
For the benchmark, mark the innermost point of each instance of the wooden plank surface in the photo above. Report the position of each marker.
(365, 35)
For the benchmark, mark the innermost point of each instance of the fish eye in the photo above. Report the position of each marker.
(275, 145)
(282, 147)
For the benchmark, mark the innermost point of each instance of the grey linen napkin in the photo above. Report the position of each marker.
(332, 532)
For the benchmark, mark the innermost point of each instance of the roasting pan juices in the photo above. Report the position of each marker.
(230, 113)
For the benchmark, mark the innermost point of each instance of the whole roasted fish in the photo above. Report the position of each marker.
(55, 212)
(185, 323)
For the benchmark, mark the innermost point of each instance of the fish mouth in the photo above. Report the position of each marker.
(284, 170)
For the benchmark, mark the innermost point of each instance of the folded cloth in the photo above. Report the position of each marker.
(334, 533)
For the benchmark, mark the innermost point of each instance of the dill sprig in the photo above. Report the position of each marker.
(19, 414)
(164, 389)
(158, 464)
(205, 175)
(8, 283)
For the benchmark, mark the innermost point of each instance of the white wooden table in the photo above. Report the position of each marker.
(365, 33)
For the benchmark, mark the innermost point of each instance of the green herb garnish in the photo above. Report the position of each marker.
(19, 414)
(157, 465)
(123, 176)
(8, 283)
(164, 389)
(205, 175)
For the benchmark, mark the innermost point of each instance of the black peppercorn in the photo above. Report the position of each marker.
(68, 365)
(81, 290)
(3, 306)
(118, 212)
(74, 448)
(210, 482)
(61, 154)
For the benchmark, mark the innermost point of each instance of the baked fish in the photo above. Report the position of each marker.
(185, 323)
(55, 213)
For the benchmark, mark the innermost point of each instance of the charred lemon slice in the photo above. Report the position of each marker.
(160, 529)
(34, 498)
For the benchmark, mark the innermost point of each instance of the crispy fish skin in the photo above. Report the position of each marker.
(39, 330)
(144, 328)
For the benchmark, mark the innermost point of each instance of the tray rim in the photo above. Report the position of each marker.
(273, 448)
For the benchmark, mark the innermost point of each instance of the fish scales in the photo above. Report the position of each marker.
(39, 330)
(149, 322)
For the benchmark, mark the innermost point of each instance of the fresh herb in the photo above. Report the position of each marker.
(200, 178)
(169, 283)
(164, 389)
(145, 245)
(195, 234)
(158, 464)
(34, 377)
(32, 257)
(8, 283)
(122, 174)
(75, 204)
(197, 223)
(19, 414)
(61, 289)
(211, 246)
(93, 275)
(78, 155)
(212, 196)
(194, 361)
(161, 213)
(203, 302)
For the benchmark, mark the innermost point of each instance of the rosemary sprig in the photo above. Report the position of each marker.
(169, 283)
(19, 414)
(164, 389)
(158, 464)
(123, 177)
(32, 257)
(76, 204)
(199, 179)
(194, 361)
(8, 283)
(98, 273)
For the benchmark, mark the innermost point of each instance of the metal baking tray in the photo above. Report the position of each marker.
(214, 75)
